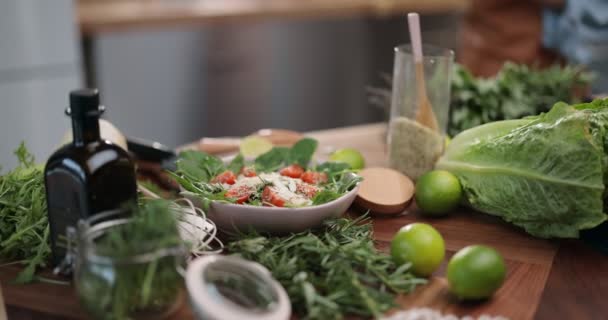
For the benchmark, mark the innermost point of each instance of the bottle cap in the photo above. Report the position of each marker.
(84, 103)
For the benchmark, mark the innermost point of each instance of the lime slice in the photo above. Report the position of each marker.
(254, 146)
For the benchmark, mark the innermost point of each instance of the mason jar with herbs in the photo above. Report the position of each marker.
(130, 268)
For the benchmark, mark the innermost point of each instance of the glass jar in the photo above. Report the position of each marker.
(413, 147)
(148, 285)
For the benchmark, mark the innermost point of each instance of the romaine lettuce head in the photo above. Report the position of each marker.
(546, 174)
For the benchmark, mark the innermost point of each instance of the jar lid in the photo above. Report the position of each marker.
(225, 287)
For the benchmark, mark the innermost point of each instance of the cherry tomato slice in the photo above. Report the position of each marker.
(239, 194)
(307, 189)
(227, 177)
(270, 197)
(313, 177)
(248, 171)
(292, 171)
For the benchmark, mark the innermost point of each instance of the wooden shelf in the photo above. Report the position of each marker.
(97, 16)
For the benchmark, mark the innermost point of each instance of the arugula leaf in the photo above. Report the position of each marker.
(341, 181)
(236, 164)
(199, 166)
(325, 196)
(333, 169)
(272, 160)
(301, 153)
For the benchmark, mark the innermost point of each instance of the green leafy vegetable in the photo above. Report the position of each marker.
(143, 279)
(333, 168)
(301, 153)
(333, 272)
(236, 164)
(199, 166)
(338, 186)
(516, 91)
(24, 228)
(272, 160)
(546, 174)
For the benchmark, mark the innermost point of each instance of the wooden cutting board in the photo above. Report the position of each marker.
(529, 260)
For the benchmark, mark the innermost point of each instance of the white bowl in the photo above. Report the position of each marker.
(237, 217)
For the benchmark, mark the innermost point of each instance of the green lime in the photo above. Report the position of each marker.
(253, 146)
(447, 141)
(475, 272)
(420, 244)
(352, 157)
(438, 192)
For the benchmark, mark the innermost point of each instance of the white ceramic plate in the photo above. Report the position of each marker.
(230, 217)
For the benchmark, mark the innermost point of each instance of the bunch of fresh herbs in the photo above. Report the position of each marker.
(144, 255)
(332, 272)
(515, 92)
(24, 228)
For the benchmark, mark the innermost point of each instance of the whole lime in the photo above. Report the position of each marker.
(475, 272)
(438, 192)
(421, 245)
(351, 156)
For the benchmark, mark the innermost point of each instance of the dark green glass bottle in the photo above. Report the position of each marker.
(87, 176)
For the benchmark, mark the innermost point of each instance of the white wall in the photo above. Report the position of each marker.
(39, 65)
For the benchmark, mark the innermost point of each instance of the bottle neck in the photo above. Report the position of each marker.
(85, 130)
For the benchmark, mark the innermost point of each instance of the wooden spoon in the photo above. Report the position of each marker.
(425, 114)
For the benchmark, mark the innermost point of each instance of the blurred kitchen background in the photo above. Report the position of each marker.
(175, 71)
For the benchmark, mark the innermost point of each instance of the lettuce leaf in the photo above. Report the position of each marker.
(546, 174)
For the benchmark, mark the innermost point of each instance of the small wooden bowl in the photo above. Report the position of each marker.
(384, 191)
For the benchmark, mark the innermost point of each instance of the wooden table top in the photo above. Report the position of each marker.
(96, 16)
(545, 279)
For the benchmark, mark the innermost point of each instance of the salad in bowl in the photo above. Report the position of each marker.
(282, 190)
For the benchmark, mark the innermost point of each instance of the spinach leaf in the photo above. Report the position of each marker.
(236, 164)
(301, 153)
(199, 166)
(272, 160)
